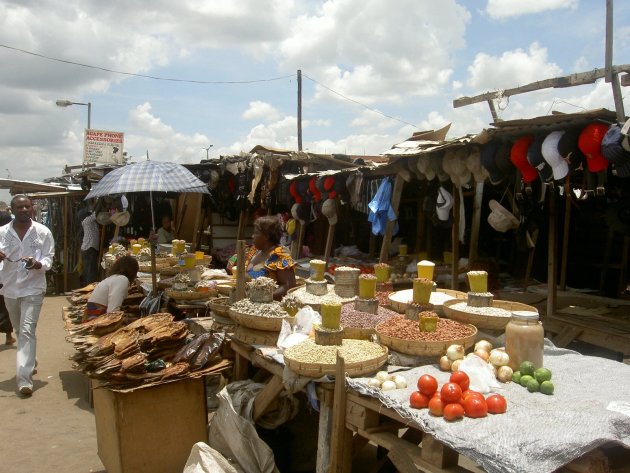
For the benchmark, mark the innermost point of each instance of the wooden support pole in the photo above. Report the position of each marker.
(493, 110)
(329, 242)
(341, 437)
(242, 218)
(299, 108)
(66, 265)
(296, 246)
(153, 271)
(240, 270)
(565, 235)
(387, 238)
(324, 431)
(455, 240)
(551, 255)
(476, 222)
(267, 396)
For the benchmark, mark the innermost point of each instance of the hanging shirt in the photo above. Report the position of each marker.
(38, 244)
(380, 209)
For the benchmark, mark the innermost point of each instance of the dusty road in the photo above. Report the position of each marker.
(52, 431)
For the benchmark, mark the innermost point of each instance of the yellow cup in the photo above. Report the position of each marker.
(189, 260)
(478, 281)
(422, 289)
(367, 286)
(402, 250)
(331, 315)
(317, 267)
(111, 249)
(425, 269)
(382, 270)
(135, 248)
(199, 255)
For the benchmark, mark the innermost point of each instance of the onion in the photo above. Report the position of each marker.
(455, 352)
(504, 374)
(374, 383)
(388, 385)
(483, 354)
(484, 345)
(499, 358)
(382, 376)
(445, 363)
(455, 365)
(400, 381)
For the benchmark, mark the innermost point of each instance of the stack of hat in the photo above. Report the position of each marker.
(537, 161)
(495, 160)
(473, 163)
(329, 210)
(454, 165)
(616, 149)
(590, 143)
(443, 204)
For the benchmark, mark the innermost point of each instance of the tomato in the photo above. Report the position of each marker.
(436, 394)
(451, 392)
(469, 392)
(453, 411)
(417, 400)
(496, 404)
(436, 406)
(427, 384)
(460, 378)
(475, 407)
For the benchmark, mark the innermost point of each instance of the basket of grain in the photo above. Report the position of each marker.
(400, 299)
(309, 359)
(220, 305)
(489, 318)
(188, 295)
(404, 336)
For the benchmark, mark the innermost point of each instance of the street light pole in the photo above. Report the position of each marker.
(207, 152)
(68, 103)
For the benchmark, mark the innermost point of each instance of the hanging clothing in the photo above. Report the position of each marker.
(380, 209)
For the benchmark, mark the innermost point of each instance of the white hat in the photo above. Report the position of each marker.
(501, 219)
(120, 219)
(553, 157)
(443, 204)
(103, 218)
(329, 210)
(294, 213)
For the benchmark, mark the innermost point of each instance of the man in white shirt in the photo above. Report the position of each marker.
(26, 249)
(89, 249)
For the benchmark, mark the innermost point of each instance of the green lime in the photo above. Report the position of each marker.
(526, 379)
(542, 375)
(527, 367)
(516, 377)
(546, 387)
(533, 386)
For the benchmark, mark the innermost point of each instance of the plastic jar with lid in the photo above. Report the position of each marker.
(524, 339)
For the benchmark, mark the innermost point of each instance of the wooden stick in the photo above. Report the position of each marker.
(65, 244)
(455, 240)
(341, 438)
(153, 271)
(551, 256)
(476, 221)
(297, 249)
(387, 238)
(565, 235)
(240, 270)
(329, 241)
(242, 217)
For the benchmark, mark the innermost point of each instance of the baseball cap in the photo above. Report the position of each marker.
(518, 156)
(569, 149)
(613, 150)
(590, 142)
(329, 210)
(488, 152)
(443, 204)
(553, 157)
(536, 159)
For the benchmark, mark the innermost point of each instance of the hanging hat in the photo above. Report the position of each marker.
(590, 142)
(293, 191)
(329, 210)
(312, 187)
(488, 152)
(569, 149)
(518, 156)
(613, 151)
(103, 218)
(443, 204)
(536, 159)
(553, 157)
(501, 219)
(294, 212)
(301, 188)
(502, 160)
(120, 219)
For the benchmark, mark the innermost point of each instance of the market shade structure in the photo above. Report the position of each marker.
(148, 176)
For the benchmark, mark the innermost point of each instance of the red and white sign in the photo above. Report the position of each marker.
(103, 147)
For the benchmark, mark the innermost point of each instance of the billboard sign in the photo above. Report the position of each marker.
(103, 147)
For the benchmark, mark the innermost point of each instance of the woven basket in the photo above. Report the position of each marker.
(189, 295)
(358, 333)
(424, 348)
(270, 324)
(487, 322)
(317, 370)
(171, 271)
(256, 337)
(398, 300)
(220, 306)
(145, 267)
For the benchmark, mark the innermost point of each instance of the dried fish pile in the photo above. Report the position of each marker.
(150, 349)
(261, 309)
(78, 300)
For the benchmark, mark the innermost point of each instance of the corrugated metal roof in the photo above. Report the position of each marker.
(16, 186)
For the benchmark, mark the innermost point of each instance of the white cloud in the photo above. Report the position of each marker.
(580, 64)
(501, 9)
(261, 110)
(511, 69)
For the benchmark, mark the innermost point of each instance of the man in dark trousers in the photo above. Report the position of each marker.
(89, 247)
(27, 249)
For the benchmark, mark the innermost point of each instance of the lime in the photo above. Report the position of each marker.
(526, 379)
(527, 367)
(546, 387)
(542, 375)
(533, 386)
(516, 377)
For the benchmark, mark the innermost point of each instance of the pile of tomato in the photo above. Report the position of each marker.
(454, 399)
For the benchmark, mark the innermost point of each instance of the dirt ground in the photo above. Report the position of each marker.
(53, 430)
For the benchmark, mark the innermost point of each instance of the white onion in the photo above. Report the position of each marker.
(484, 345)
(388, 385)
(374, 383)
(499, 358)
(483, 354)
(455, 352)
(382, 376)
(504, 374)
(400, 381)
(455, 365)
(445, 363)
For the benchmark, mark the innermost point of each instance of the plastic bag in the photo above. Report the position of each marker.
(292, 335)
(482, 378)
(204, 459)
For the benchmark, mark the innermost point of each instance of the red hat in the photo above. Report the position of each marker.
(518, 156)
(312, 186)
(293, 192)
(590, 143)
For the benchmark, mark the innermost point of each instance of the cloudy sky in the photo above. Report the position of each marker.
(362, 60)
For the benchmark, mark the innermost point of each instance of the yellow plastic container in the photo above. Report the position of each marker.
(331, 315)
(367, 286)
(110, 250)
(135, 248)
(189, 260)
(422, 289)
(425, 269)
(428, 324)
(317, 269)
(382, 272)
(402, 250)
(199, 255)
(478, 281)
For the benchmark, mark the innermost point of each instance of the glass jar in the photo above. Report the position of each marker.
(524, 339)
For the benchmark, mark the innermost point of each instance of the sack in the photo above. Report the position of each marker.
(203, 459)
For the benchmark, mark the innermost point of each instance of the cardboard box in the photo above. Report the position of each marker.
(150, 430)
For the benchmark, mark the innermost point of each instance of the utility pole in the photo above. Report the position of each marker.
(611, 76)
(299, 109)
